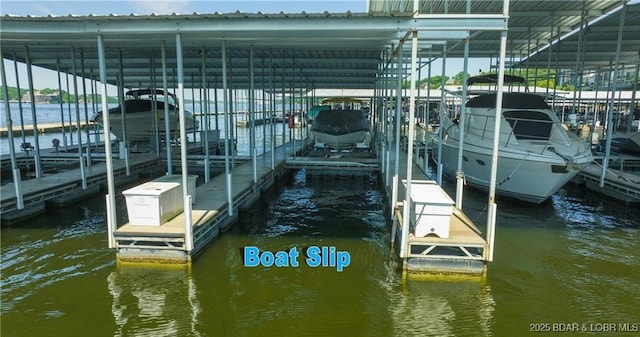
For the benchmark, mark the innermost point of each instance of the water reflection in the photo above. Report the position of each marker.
(36, 255)
(442, 308)
(600, 234)
(154, 301)
(573, 259)
(370, 294)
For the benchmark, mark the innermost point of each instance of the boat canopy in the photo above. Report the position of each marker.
(315, 110)
(340, 122)
(511, 100)
(150, 92)
(493, 79)
(341, 100)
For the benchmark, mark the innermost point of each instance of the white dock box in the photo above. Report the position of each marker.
(153, 203)
(175, 178)
(431, 209)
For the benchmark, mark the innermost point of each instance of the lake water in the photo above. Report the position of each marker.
(572, 260)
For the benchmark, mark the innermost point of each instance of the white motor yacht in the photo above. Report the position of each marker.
(536, 155)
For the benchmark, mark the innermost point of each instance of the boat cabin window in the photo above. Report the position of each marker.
(139, 105)
(529, 124)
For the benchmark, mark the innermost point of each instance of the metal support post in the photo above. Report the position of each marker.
(225, 91)
(406, 208)
(83, 173)
(614, 82)
(183, 144)
(111, 191)
(492, 206)
(32, 98)
(165, 87)
(12, 151)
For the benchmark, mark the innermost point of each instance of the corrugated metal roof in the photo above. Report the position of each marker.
(304, 50)
(321, 50)
(215, 15)
(533, 24)
(600, 40)
(308, 49)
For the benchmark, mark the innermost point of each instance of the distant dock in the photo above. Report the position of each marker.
(261, 121)
(44, 128)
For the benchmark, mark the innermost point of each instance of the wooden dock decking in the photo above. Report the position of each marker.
(166, 243)
(462, 253)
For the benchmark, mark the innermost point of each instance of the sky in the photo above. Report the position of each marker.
(126, 7)
(48, 79)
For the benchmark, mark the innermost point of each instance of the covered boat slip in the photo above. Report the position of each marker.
(461, 250)
(210, 214)
(288, 55)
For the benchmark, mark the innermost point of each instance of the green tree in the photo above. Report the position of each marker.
(457, 79)
(49, 91)
(13, 93)
(542, 78)
(435, 82)
(66, 97)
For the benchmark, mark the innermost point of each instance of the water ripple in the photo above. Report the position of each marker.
(46, 256)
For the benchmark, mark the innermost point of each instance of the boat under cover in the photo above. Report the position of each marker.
(340, 129)
(144, 116)
(629, 144)
(536, 155)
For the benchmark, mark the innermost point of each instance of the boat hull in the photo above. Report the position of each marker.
(340, 129)
(523, 176)
(340, 142)
(140, 125)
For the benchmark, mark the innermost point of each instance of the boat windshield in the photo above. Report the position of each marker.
(527, 124)
(343, 103)
(152, 95)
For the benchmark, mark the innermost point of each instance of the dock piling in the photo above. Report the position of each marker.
(188, 224)
(111, 225)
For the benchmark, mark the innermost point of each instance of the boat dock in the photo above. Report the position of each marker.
(210, 214)
(617, 184)
(44, 128)
(64, 187)
(385, 48)
(259, 121)
(456, 249)
(56, 158)
(339, 166)
(620, 161)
